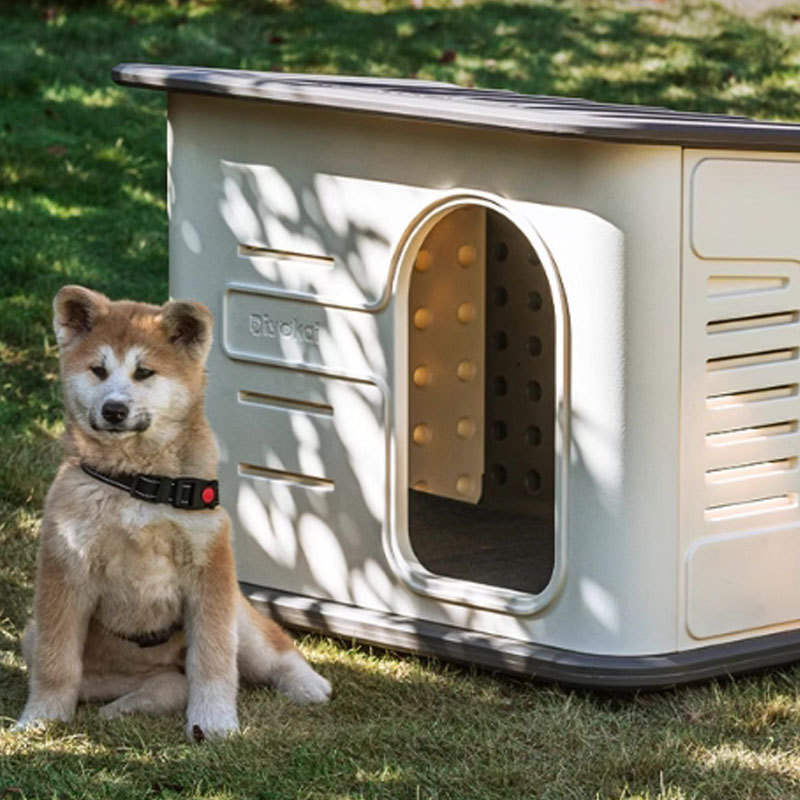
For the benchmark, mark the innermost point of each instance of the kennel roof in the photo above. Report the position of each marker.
(485, 108)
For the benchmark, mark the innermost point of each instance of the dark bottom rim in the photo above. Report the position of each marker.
(567, 667)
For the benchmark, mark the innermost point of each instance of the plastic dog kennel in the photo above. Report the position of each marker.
(507, 379)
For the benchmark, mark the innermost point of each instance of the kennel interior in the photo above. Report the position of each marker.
(512, 380)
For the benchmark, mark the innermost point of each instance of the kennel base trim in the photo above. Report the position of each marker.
(523, 368)
(568, 668)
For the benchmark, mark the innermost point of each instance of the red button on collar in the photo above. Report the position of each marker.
(208, 495)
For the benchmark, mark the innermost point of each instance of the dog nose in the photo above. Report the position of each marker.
(114, 411)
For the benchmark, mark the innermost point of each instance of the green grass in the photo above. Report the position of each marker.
(82, 172)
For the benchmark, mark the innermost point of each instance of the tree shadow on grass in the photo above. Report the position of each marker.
(406, 727)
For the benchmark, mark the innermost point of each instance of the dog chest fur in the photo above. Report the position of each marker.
(136, 558)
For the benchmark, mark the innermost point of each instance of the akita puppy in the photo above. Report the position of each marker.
(136, 602)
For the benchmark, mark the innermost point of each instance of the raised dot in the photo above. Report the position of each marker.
(422, 318)
(499, 474)
(501, 251)
(500, 296)
(500, 385)
(499, 430)
(500, 340)
(422, 434)
(533, 482)
(467, 255)
(465, 428)
(534, 301)
(464, 484)
(534, 391)
(421, 486)
(466, 312)
(534, 345)
(465, 370)
(422, 375)
(423, 261)
(534, 435)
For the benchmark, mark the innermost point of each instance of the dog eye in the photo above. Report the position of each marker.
(101, 372)
(142, 373)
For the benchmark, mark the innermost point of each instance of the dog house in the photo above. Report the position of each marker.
(507, 379)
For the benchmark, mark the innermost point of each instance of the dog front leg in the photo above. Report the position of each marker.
(60, 621)
(211, 667)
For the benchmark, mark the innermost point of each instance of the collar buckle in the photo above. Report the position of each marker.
(152, 488)
(185, 493)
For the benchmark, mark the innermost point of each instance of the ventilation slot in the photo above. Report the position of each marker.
(751, 508)
(722, 286)
(717, 402)
(286, 257)
(752, 359)
(282, 476)
(739, 435)
(285, 403)
(752, 323)
(762, 469)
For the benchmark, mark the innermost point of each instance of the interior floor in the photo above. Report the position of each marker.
(480, 544)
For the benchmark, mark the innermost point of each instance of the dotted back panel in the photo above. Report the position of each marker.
(520, 375)
(446, 355)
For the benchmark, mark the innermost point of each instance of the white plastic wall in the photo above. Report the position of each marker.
(740, 523)
(296, 227)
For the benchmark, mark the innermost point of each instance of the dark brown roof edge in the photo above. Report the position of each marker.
(485, 108)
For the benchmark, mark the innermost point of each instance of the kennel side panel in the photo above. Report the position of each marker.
(740, 516)
(618, 257)
(579, 189)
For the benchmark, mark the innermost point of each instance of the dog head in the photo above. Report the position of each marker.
(130, 369)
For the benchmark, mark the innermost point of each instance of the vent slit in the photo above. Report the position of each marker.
(738, 435)
(762, 505)
(719, 287)
(752, 359)
(285, 256)
(757, 469)
(718, 326)
(284, 476)
(285, 403)
(715, 402)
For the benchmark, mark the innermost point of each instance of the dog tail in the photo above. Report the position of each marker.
(262, 644)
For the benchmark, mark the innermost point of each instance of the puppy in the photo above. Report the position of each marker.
(136, 602)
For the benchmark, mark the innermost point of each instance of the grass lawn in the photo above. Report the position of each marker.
(82, 173)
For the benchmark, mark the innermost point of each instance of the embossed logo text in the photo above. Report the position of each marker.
(274, 328)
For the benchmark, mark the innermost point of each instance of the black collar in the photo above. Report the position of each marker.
(192, 494)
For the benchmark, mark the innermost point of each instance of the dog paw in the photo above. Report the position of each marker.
(27, 725)
(211, 721)
(37, 716)
(195, 732)
(300, 683)
(117, 708)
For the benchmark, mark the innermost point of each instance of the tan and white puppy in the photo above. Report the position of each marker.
(113, 568)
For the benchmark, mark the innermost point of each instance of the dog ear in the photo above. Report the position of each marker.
(188, 325)
(76, 311)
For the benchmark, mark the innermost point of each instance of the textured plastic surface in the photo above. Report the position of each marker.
(324, 514)
(741, 406)
(673, 392)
